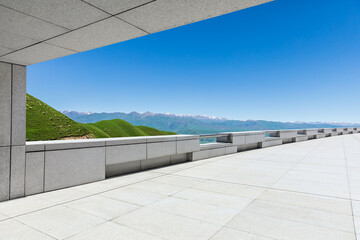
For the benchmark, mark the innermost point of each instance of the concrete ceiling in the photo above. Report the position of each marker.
(33, 31)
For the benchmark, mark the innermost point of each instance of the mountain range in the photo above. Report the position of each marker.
(196, 124)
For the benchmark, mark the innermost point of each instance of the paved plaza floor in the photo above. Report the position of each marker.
(308, 190)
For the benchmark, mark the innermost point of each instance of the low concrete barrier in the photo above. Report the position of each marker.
(52, 165)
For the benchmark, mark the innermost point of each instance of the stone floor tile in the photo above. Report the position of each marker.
(178, 180)
(168, 226)
(314, 217)
(156, 187)
(113, 231)
(116, 182)
(357, 225)
(134, 196)
(62, 196)
(13, 230)
(3, 217)
(60, 222)
(196, 210)
(217, 199)
(102, 207)
(278, 228)
(356, 208)
(249, 176)
(312, 187)
(230, 189)
(21, 206)
(328, 204)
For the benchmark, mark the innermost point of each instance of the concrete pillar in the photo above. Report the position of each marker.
(12, 130)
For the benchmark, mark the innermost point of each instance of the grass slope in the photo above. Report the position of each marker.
(110, 128)
(45, 123)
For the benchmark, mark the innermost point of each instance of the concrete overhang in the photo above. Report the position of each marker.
(33, 31)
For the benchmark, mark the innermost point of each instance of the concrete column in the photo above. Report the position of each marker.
(12, 130)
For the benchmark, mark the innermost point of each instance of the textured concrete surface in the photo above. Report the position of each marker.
(26, 26)
(105, 32)
(18, 120)
(17, 168)
(69, 14)
(164, 14)
(305, 190)
(66, 168)
(5, 104)
(125, 153)
(117, 6)
(161, 149)
(34, 175)
(40, 30)
(187, 146)
(36, 53)
(4, 173)
(12, 130)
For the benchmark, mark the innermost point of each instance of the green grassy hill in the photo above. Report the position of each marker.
(45, 123)
(121, 128)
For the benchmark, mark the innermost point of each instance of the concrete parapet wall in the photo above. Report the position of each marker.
(52, 165)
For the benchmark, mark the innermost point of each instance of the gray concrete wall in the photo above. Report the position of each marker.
(12, 130)
(52, 165)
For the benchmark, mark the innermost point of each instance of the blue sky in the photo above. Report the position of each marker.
(295, 60)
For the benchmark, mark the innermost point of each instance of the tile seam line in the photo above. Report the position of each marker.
(176, 214)
(119, 13)
(127, 10)
(90, 195)
(33, 17)
(109, 221)
(296, 164)
(264, 190)
(349, 188)
(72, 30)
(87, 229)
(161, 175)
(37, 230)
(140, 230)
(131, 24)
(59, 35)
(270, 188)
(294, 221)
(243, 209)
(90, 214)
(179, 215)
(256, 234)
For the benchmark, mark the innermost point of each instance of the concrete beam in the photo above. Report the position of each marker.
(40, 30)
